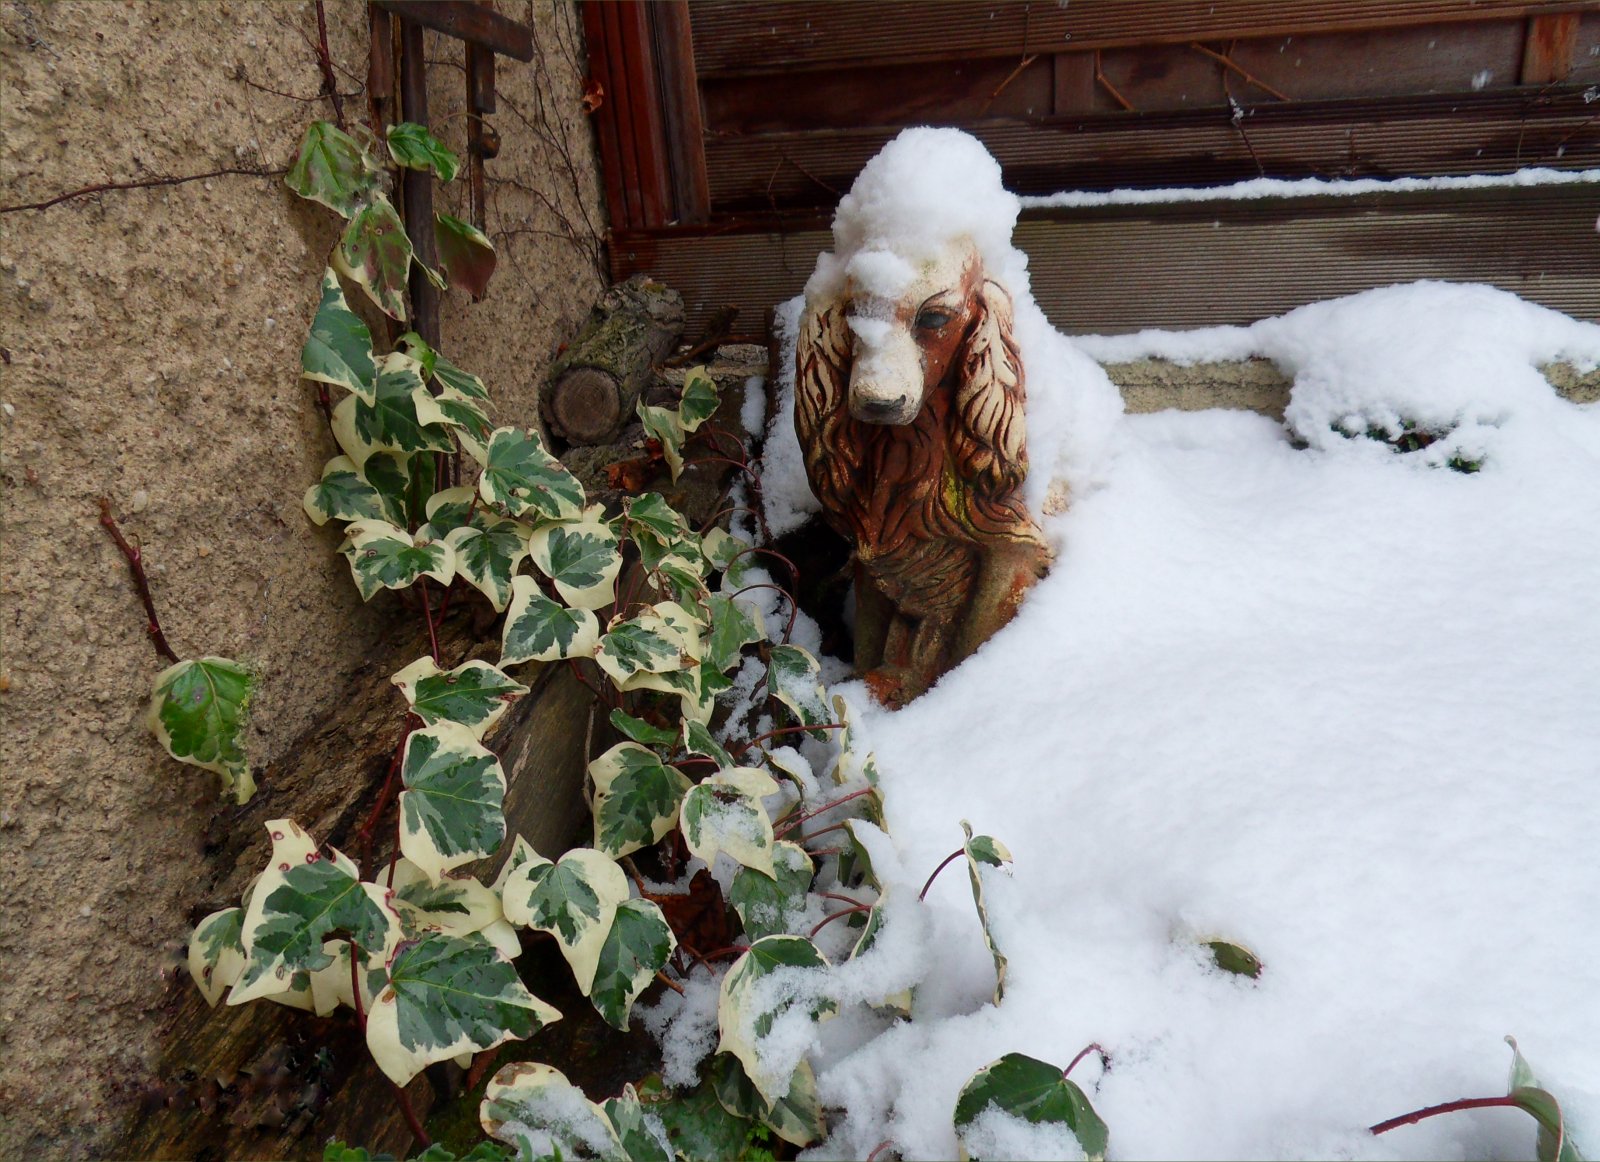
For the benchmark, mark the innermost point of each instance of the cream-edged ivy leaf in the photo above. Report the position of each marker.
(748, 1010)
(682, 576)
(664, 638)
(718, 816)
(533, 1107)
(412, 146)
(519, 475)
(400, 417)
(466, 255)
(697, 687)
(730, 555)
(796, 1117)
(448, 995)
(448, 375)
(734, 625)
(392, 474)
(582, 558)
(636, 798)
(385, 556)
(658, 530)
(522, 853)
(331, 168)
(699, 400)
(488, 555)
(198, 711)
(795, 679)
(451, 811)
(664, 426)
(983, 850)
(216, 953)
(773, 905)
(455, 906)
(1033, 1091)
(643, 732)
(644, 1139)
(538, 629)
(338, 349)
(474, 694)
(453, 409)
(637, 946)
(449, 509)
(345, 494)
(375, 253)
(573, 900)
(697, 739)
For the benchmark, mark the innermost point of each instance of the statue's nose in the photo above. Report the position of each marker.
(882, 411)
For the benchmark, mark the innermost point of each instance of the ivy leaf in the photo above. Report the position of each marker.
(582, 558)
(538, 629)
(413, 147)
(643, 732)
(474, 694)
(465, 253)
(734, 625)
(1553, 1144)
(452, 378)
(574, 900)
(536, 1109)
(331, 168)
(656, 526)
(391, 474)
(664, 426)
(699, 402)
(773, 905)
(720, 817)
(216, 953)
(521, 476)
(488, 556)
(198, 712)
(385, 556)
(682, 576)
(419, 349)
(397, 419)
(339, 348)
(299, 900)
(657, 641)
(641, 1141)
(796, 1117)
(730, 555)
(345, 494)
(637, 947)
(451, 811)
(794, 678)
(899, 1003)
(375, 254)
(747, 1012)
(979, 850)
(447, 996)
(698, 1127)
(636, 798)
(455, 906)
(696, 685)
(1034, 1091)
(697, 740)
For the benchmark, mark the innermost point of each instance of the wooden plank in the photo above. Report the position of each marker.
(416, 187)
(681, 113)
(735, 36)
(476, 23)
(1416, 136)
(634, 67)
(1115, 269)
(608, 117)
(1550, 51)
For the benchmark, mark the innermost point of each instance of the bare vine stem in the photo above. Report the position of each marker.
(144, 184)
(135, 557)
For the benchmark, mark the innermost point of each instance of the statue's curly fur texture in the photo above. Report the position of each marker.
(927, 502)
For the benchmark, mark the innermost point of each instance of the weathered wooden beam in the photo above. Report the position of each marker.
(416, 186)
(474, 23)
(1551, 46)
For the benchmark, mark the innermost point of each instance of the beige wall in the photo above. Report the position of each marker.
(150, 353)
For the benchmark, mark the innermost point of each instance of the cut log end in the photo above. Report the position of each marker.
(586, 405)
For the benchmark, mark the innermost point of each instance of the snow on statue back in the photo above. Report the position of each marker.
(909, 402)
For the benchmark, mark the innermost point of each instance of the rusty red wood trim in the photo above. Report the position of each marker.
(1548, 51)
(680, 100)
(603, 49)
(477, 24)
(380, 68)
(642, 112)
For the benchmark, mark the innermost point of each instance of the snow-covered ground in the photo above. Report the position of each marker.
(1286, 687)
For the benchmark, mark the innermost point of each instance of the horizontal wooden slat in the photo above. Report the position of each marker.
(734, 36)
(1419, 136)
(1122, 268)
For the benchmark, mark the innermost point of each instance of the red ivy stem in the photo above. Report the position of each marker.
(330, 84)
(794, 607)
(742, 747)
(384, 796)
(1449, 1107)
(948, 860)
(427, 614)
(826, 920)
(143, 184)
(412, 1120)
(135, 558)
(795, 821)
(1091, 1047)
(670, 983)
(879, 1149)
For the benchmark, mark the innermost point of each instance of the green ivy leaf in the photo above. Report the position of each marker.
(338, 349)
(697, 739)
(345, 494)
(795, 679)
(651, 642)
(448, 375)
(583, 558)
(698, 1127)
(216, 953)
(666, 428)
(521, 476)
(397, 420)
(385, 556)
(637, 947)
(574, 900)
(538, 629)
(720, 817)
(375, 254)
(981, 850)
(474, 694)
(447, 996)
(391, 474)
(773, 905)
(636, 798)
(455, 906)
(1036, 1092)
(641, 1141)
(746, 1013)
(641, 731)
(451, 811)
(465, 253)
(1553, 1143)
(331, 168)
(536, 1109)
(734, 625)
(198, 712)
(728, 554)
(418, 348)
(796, 1117)
(487, 555)
(699, 402)
(413, 147)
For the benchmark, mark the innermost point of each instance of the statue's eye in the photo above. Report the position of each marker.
(932, 318)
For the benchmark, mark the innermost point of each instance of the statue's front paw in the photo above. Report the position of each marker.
(889, 685)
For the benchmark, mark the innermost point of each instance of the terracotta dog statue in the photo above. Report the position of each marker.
(909, 410)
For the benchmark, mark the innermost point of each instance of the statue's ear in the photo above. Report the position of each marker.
(993, 450)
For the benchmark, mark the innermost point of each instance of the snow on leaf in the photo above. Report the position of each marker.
(375, 253)
(749, 1006)
(642, 1141)
(338, 349)
(582, 558)
(474, 694)
(985, 849)
(772, 905)
(794, 678)
(573, 900)
(345, 494)
(413, 147)
(487, 554)
(637, 946)
(720, 817)
(465, 253)
(521, 476)
(734, 625)
(216, 953)
(643, 732)
(396, 419)
(899, 1003)
(385, 556)
(538, 629)
(451, 810)
(636, 798)
(699, 400)
(447, 996)
(664, 426)
(197, 712)
(535, 1108)
(1034, 1091)
(331, 168)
